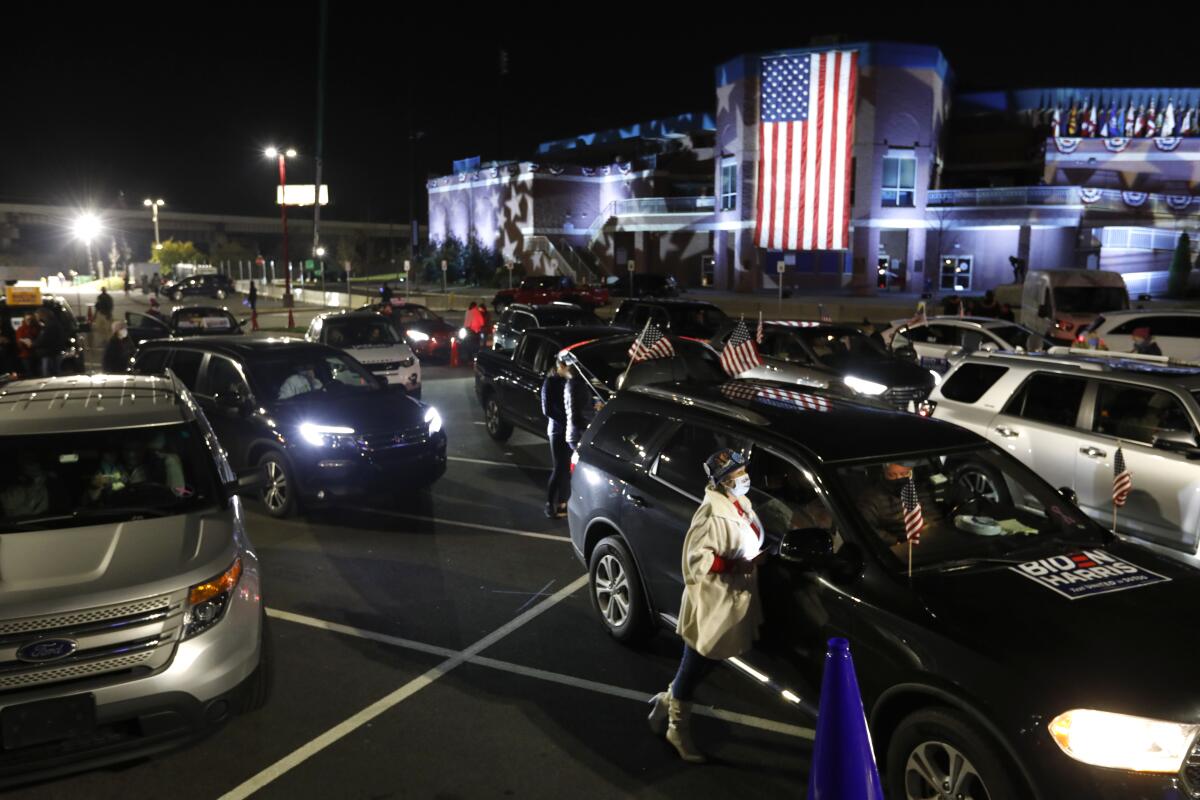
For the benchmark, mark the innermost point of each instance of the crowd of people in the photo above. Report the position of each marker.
(987, 306)
(31, 346)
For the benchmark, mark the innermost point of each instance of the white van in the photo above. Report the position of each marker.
(1060, 303)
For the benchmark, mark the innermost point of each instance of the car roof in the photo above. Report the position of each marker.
(539, 308)
(89, 402)
(246, 347)
(952, 319)
(349, 312)
(1085, 364)
(1148, 312)
(572, 334)
(192, 309)
(829, 427)
(670, 302)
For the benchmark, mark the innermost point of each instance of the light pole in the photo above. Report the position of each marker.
(154, 206)
(86, 228)
(319, 252)
(283, 155)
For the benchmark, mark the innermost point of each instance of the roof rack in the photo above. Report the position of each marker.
(1100, 360)
(717, 407)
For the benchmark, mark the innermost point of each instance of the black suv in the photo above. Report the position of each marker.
(1025, 652)
(327, 433)
(208, 285)
(184, 321)
(519, 317)
(693, 318)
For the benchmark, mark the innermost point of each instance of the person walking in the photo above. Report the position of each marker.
(155, 283)
(119, 350)
(558, 490)
(49, 344)
(720, 612)
(102, 324)
(252, 297)
(127, 283)
(26, 334)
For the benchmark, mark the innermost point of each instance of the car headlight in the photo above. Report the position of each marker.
(408, 362)
(326, 435)
(433, 419)
(208, 601)
(863, 386)
(417, 336)
(1118, 741)
(462, 333)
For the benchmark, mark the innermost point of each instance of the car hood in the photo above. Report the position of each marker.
(377, 353)
(888, 371)
(46, 572)
(364, 411)
(1111, 649)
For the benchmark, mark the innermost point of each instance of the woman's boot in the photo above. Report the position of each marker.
(679, 731)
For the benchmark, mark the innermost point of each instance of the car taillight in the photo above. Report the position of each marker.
(574, 461)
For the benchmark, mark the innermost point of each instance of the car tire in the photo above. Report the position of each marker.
(279, 497)
(497, 427)
(984, 481)
(256, 689)
(935, 745)
(615, 589)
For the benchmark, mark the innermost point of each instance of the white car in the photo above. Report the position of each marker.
(1176, 330)
(940, 340)
(373, 341)
(1066, 417)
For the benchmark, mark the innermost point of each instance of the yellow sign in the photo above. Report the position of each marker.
(23, 295)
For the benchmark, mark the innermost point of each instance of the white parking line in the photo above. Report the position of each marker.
(302, 754)
(489, 463)
(476, 526)
(759, 723)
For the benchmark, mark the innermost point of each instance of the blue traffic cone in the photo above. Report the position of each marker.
(843, 763)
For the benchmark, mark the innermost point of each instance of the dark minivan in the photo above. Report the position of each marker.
(1025, 653)
(324, 428)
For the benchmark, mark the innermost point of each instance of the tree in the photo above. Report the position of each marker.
(1181, 266)
(232, 251)
(172, 253)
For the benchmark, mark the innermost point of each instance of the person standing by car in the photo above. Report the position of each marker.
(1144, 344)
(25, 336)
(558, 490)
(48, 346)
(102, 326)
(118, 351)
(580, 406)
(720, 613)
(252, 298)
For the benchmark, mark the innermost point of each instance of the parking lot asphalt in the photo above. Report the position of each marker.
(442, 645)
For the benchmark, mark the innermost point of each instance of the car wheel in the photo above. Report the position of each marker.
(497, 427)
(616, 592)
(937, 752)
(220, 294)
(980, 480)
(279, 496)
(257, 688)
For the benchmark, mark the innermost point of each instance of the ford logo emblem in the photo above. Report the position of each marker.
(47, 650)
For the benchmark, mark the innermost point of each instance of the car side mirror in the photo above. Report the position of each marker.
(1068, 494)
(809, 548)
(229, 401)
(248, 482)
(1182, 442)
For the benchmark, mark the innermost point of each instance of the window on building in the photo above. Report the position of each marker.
(899, 179)
(956, 273)
(729, 177)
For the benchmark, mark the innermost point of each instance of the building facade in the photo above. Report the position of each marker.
(949, 191)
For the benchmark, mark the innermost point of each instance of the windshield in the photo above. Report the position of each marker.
(307, 373)
(975, 504)
(1089, 299)
(699, 323)
(410, 314)
(192, 321)
(692, 362)
(1013, 335)
(69, 480)
(359, 332)
(834, 347)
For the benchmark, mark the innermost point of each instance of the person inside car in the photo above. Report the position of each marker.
(882, 508)
(1144, 344)
(720, 614)
(110, 477)
(28, 494)
(304, 380)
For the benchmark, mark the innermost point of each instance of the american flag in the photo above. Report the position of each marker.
(806, 137)
(1122, 479)
(740, 353)
(770, 395)
(794, 323)
(650, 344)
(758, 335)
(913, 519)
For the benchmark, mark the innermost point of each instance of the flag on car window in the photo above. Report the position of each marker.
(650, 344)
(913, 519)
(1122, 479)
(740, 353)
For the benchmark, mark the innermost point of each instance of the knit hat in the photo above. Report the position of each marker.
(720, 464)
(1141, 333)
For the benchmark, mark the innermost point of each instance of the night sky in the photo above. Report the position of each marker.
(178, 100)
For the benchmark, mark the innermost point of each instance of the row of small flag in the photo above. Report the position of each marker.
(1092, 119)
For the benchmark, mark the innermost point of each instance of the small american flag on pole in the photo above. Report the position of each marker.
(805, 143)
(1122, 479)
(913, 519)
(650, 344)
(740, 353)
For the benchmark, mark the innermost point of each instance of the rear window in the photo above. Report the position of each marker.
(971, 381)
(624, 435)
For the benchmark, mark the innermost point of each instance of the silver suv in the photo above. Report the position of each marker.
(131, 615)
(1065, 417)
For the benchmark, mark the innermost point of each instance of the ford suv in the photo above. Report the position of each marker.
(131, 616)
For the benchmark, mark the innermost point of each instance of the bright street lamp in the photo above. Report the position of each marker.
(154, 205)
(86, 228)
(272, 152)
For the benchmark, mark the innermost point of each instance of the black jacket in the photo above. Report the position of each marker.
(554, 407)
(116, 355)
(104, 305)
(51, 341)
(577, 399)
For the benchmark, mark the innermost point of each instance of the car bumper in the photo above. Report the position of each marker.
(199, 689)
(409, 378)
(332, 475)
(433, 349)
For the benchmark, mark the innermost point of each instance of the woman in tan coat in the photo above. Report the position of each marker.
(719, 614)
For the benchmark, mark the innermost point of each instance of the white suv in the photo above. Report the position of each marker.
(1065, 417)
(1176, 330)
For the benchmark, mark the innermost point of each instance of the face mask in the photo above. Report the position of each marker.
(895, 486)
(741, 487)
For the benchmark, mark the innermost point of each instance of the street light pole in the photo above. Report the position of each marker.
(283, 155)
(154, 205)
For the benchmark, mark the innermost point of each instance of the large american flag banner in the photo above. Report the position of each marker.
(649, 344)
(770, 395)
(740, 353)
(1122, 479)
(806, 137)
(914, 520)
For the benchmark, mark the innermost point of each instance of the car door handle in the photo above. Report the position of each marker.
(637, 500)
(1006, 432)
(1093, 452)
